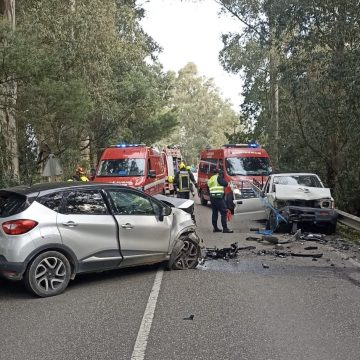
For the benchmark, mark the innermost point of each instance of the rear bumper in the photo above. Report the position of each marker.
(11, 270)
(309, 215)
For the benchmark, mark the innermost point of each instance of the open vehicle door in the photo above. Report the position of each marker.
(250, 208)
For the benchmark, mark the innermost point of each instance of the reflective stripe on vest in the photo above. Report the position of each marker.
(214, 186)
(184, 181)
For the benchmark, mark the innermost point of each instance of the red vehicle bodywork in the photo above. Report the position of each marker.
(142, 168)
(217, 159)
(172, 159)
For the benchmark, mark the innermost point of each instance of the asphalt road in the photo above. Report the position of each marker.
(253, 307)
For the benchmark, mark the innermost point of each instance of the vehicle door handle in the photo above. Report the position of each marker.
(127, 226)
(70, 224)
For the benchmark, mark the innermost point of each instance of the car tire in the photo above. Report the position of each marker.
(272, 224)
(185, 255)
(48, 274)
(331, 229)
(203, 201)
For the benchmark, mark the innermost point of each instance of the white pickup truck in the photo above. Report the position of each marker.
(289, 200)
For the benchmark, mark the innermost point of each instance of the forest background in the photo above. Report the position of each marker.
(79, 75)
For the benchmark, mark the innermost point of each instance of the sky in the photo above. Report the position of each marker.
(191, 32)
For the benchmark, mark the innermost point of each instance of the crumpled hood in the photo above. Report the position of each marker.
(298, 192)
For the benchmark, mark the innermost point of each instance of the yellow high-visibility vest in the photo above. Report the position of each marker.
(215, 188)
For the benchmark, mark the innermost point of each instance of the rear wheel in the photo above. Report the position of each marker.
(48, 274)
(203, 201)
(186, 256)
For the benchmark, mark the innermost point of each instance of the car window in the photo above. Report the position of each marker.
(51, 201)
(302, 180)
(85, 202)
(12, 203)
(131, 203)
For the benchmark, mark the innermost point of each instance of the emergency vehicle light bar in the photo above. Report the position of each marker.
(249, 145)
(127, 145)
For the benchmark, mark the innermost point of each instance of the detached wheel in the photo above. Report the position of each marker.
(202, 200)
(186, 255)
(48, 274)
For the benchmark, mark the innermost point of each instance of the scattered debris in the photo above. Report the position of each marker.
(312, 237)
(265, 266)
(271, 239)
(310, 248)
(226, 253)
(191, 317)
(253, 238)
(264, 232)
(318, 255)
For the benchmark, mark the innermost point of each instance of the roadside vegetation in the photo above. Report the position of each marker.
(79, 75)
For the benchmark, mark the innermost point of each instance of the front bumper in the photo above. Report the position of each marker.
(11, 270)
(309, 215)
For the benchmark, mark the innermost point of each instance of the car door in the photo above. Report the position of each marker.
(144, 235)
(252, 208)
(89, 230)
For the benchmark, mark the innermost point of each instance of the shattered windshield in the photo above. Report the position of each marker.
(302, 180)
(122, 167)
(248, 166)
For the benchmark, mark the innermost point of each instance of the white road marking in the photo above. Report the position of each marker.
(143, 334)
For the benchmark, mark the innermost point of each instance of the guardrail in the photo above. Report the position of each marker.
(349, 220)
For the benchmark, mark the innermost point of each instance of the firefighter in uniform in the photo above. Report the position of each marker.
(79, 175)
(182, 181)
(216, 186)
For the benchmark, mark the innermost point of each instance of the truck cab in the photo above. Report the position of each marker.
(240, 164)
(134, 165)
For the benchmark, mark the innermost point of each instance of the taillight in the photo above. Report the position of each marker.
(18, 227)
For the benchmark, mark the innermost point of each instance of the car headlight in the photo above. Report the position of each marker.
(326, 204)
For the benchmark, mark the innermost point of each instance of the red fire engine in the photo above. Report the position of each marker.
(134, 165)
(240, 163)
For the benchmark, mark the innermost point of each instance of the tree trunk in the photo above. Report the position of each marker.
(8, 101)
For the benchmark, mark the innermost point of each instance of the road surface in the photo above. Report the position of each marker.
(257, 307)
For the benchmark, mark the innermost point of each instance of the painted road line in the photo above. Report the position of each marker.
(144, 331)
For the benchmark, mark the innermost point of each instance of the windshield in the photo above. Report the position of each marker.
(122, 167)
(302, 180)
(248, 166)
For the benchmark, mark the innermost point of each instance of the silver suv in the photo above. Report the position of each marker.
(51, 232)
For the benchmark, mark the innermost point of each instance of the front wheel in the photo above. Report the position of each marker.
(48, 274)
(186, 255)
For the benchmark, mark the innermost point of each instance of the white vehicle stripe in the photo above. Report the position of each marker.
(144, 331)
(157, 182)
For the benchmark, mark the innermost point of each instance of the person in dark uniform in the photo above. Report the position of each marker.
(217, 186)
(182, 181)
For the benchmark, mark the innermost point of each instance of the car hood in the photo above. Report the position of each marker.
(175, 202)
(296, 192)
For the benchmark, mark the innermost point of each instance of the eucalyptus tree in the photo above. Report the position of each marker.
(204, 118)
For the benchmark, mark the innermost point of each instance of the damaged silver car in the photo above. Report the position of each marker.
(51, 232)
(290, 200)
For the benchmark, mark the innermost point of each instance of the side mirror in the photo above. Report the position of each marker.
(152, 174)
(165, 211)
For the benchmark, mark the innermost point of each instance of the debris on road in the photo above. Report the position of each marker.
(310, 248)
(226, 253)
(317, 255)
(190, 317)
(265, 266)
